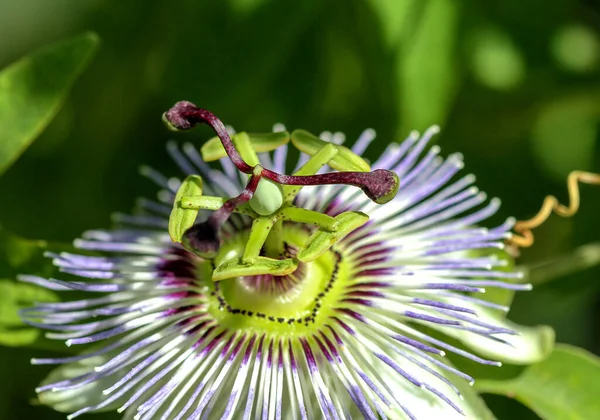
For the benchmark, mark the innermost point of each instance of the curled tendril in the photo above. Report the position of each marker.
(524, 236)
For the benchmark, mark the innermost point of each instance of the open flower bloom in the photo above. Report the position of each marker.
(337, 336)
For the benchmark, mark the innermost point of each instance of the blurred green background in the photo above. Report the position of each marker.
(514, 85)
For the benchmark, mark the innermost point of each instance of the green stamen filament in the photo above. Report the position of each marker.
(274, 246)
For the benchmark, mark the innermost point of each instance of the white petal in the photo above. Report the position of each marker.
(529, 345)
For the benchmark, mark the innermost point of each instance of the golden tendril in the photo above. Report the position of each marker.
(524, 236)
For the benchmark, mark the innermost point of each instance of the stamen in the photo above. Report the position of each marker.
(380, 185)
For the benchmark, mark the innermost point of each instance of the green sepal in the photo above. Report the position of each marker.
(345, 160)
(262, 142)
(181, 219)
(259, 266)
(322, 239)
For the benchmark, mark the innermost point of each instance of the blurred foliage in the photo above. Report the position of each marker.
(16, 255)
(33, 90)
(515, 86)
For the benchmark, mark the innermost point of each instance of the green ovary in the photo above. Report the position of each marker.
(292, 304)
(267, 199)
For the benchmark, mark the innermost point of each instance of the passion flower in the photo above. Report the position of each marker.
(244, 292)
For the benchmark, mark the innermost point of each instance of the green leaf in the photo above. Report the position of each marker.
(33, 89)
(564, 386)
(181, 219)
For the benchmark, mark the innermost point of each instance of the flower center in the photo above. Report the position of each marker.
(278, 303)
